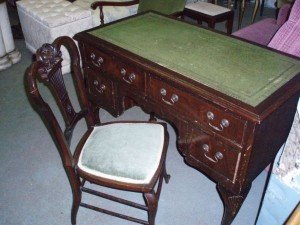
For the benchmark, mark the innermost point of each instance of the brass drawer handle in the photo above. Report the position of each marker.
(224, 122)
(130, 79)
(97, 62)
(123, 72)
(218, 155)
(100, 88)
(173, 99)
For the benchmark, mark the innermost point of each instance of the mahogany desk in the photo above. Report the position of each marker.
(232, 103)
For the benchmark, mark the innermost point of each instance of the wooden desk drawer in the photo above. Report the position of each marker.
(209, 154)
(198, 111)
(100, 89)
(129, 75)
(98, 60)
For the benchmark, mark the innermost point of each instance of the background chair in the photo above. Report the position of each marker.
(168, 7)
(211, 13)
(263, 31)
(287, 38)
(284, 38)
(127, 155)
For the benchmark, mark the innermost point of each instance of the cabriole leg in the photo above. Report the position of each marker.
(232, 203)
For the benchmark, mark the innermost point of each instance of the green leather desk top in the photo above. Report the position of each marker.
(241, 70)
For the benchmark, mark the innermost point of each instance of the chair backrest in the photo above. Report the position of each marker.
(167, 7)
(47, 69)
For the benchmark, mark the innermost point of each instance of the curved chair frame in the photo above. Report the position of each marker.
(47, 69)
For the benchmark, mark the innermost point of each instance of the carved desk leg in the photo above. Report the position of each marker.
(232, 203)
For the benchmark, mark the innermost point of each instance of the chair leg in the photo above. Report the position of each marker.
(152, 117)
(75, 206)
(151, 202)
(166, 175)
(76, 191)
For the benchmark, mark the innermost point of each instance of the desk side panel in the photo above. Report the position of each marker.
(270, 135)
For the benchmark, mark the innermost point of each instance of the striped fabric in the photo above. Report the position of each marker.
(287, 38)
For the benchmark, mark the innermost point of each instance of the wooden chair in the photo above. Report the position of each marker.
(168, 7)
(125, 155)
(211, 13)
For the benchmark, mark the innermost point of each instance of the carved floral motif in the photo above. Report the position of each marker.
(49, 56)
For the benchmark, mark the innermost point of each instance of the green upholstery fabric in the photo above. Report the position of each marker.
(163, 6)
(126, 152)
(241, 70)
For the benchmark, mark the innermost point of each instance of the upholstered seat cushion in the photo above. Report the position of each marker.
(207, 8)
(166, 6)
(260, 32)
(125, 152)
(53, 13)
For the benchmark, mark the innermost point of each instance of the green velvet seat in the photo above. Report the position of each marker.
(128, 156)
(117, 151)
(163, 6)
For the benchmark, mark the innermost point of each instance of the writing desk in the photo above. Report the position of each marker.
(232, 103)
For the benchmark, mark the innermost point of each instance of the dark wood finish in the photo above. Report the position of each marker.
(211, 20)
(233, 155)
(100, 4)
(47, 68)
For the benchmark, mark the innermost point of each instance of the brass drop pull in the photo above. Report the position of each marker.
(100, 88)
(205, 147)
(223, 124)
(218, 155)
(128, 79)
(172, 101)
(123, 72)
(96, 61)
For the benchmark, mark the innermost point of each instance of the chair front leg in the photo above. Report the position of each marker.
(76, 191)
(151, 202)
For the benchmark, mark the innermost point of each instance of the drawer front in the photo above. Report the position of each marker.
(129, 75)
(213, 156)
(100, 89)
(98, 60)
(198, 111)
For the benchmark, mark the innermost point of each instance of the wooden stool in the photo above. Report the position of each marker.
(209, 13)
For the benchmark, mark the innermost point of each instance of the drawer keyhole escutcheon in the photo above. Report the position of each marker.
(223, 124)
(172, 101)
(96, 62)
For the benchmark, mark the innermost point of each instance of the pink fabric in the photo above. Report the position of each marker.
(295, 12)
(287, 38)
(261, 32)
(283, 14)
